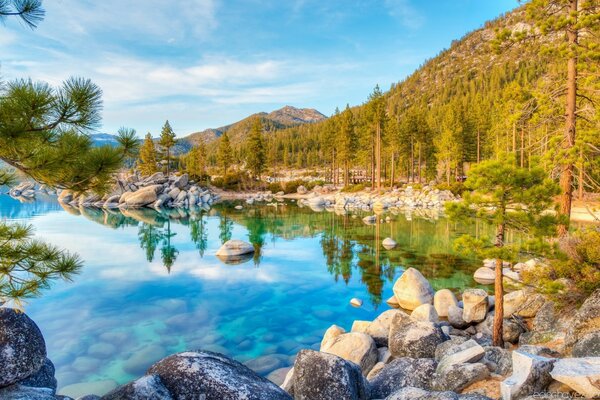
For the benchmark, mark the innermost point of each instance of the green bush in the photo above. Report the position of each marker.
(457, 188)
(232, 181)
(275, 187)
(354, 188)
(292, 186)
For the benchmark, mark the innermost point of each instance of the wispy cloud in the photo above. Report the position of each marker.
(405, 12)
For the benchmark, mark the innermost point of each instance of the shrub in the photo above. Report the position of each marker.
(232, 181)
(292, 186)
(457, 188)
(275, 187)
(354, 188)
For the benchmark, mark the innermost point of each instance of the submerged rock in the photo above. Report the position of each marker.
(412, 290)
(323, 376)
(356, 302)
(234, 248)
(216, 377)
(22, 347)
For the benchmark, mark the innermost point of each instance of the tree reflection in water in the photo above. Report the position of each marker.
(348, 245)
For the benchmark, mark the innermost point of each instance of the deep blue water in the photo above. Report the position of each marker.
(152, 286)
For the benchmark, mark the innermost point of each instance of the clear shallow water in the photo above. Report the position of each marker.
(152, 286)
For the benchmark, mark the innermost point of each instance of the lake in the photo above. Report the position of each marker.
(152, 285)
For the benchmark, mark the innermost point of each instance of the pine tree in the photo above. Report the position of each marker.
(224, 153)
(579, 22)
(346, 142)
(195, 161)
(29, 11)
(255, 150)
(510, 198)
(167, 141)
(147, 163)
(376, 107)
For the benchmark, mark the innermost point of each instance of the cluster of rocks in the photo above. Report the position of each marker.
(28, 190)
(406, 199)
(155, 191)
(487, 274)
(429, 346)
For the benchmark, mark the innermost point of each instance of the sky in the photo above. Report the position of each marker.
(207, 63)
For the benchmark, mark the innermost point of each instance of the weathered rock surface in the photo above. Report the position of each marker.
(475, 305)
(379, 329)
(323, 376)
(410, 338)
(148, 387)
(402, 372)
(331, 333)
(20, 392)
(498, 360)
(412, 290)
(442, 300)
(531, 374)
(22, 347)
(425, 312)
(357, 347)
(467, 352)
(43, 378)
(588, 346)
(455, 317)
(450, 346)
(192, 374)
(456, 377)
(586, 320)
(143, 196)
(580, 374)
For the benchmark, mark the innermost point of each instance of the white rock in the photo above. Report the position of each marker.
(412, 290)
(356, 302)
(442, 300)
(471, 352)
(475, 305)
(356, 347)
(531, 374)
(425, 312)
(331, 333)
(484, 275)
(389, 243)
(580, 374)
(370, 220)
(239, 207)
(235, 247)
(360, 326)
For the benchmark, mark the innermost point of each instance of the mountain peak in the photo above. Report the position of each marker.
(292, 115)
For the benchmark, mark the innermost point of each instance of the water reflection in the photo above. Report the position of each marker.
(349, 246)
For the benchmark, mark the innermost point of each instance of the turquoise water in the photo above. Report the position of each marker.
(152, 286)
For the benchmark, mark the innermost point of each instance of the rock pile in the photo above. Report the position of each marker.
(28, 190)
(156, 191)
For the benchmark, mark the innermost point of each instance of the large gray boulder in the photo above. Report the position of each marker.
(20, 392)
(417, 339)
(455, 317)
(456, 377)
(181, 182)
(402, 372)
(467, 352)
(498, 360)
(412, 290)
(148, 387)
(412, 393)
(43, 378)
(588, 345)
(356, 347)
(450, 346)
(22, 347)
(580, 374)
(531, 374)
(586, 320)
(323, 376)
(143, 196)
(194, 374)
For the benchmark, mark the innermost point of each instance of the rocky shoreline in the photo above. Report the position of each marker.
(429, 346)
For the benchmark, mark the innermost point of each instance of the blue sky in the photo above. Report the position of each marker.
(206, 63)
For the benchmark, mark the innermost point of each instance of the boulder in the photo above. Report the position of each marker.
(356, 347)
(148, 387)
(301, 190)
(512, 328)
(531, 374)
(375, 370)
(331, 333)
(467, 352)
(20, 392)
(402, 372)
(174, 193)
(356, 302)
(389, 243)
(513, 301)
(455, 317)
(410, 338)
(588, 345)
(143, 197)
(451, 346)
(323, 376)
(360, 326)
(234, 248)
(412, 290)
(498, 360)
(456, 377)
(475, 305)
(393, 302)
(181, 181)
(586, 320)
(384, 355)
(212, 375)
(379, 329)
(22, 347)
(425, 312)
(580, 374)
(43, 378)
(484, 275)
(442, 300)
(370, 220)
(411, 393)
(545, 319)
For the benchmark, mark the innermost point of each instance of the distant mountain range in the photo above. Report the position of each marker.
(285, 117)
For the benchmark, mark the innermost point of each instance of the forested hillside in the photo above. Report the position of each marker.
(474, 101)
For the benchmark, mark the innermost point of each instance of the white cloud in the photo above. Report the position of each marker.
(405, 13)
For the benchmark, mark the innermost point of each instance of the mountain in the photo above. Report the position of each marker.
(102, 139)
(285, 117)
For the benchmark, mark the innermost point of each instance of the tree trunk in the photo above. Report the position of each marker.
(581, 174)
(393, 173)
(478, 147)
(168, 162)
(514, 138)
(373, 166)
(419, 166)
(412, 160)
(566, 174)
(378, 142)
(498, 293)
